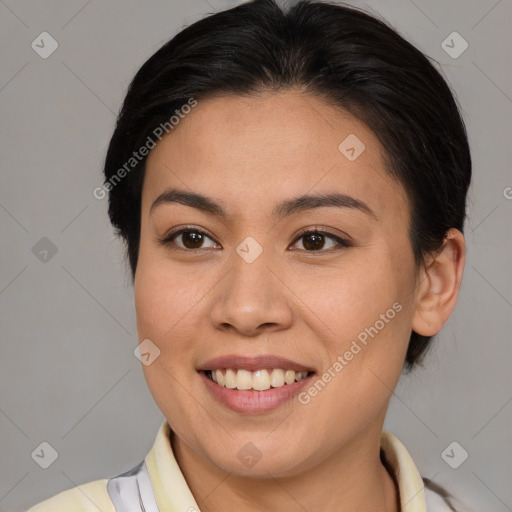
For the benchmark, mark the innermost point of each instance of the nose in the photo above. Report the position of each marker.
(253, 298)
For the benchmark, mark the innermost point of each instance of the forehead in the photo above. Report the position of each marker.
(262, 148)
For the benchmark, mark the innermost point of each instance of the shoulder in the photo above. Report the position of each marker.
(88, 497)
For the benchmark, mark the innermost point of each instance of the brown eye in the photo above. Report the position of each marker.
(191, 239)
(314, 241)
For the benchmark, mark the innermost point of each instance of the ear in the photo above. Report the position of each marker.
(439, 284)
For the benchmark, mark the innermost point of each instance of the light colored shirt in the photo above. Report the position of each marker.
(157, 485)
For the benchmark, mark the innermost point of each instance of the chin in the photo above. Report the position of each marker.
(259, 465)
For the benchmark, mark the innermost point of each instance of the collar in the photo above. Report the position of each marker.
(172, 492)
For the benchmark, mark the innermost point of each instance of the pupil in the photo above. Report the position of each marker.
(193, 238)
(315, 245)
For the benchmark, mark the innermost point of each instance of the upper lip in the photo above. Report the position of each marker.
(253, 363)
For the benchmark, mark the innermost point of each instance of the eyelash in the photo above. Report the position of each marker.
(167, 241)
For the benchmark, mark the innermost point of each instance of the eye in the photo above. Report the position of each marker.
(314, 240)
(191, 238)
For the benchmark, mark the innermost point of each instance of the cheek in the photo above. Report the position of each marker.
(347, 300)
(164, 300)
(164, 304)
(368, 318)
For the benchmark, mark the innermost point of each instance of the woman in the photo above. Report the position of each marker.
(291, 188)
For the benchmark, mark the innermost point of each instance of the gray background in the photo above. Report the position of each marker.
(68, 373)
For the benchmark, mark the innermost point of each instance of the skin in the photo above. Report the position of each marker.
(308, 305)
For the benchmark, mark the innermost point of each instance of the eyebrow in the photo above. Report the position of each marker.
(283, 209)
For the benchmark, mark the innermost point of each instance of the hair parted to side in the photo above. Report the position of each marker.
(339, 53)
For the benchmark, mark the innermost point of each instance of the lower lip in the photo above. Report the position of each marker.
(252, 401)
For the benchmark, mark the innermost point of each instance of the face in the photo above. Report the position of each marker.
(267, 285)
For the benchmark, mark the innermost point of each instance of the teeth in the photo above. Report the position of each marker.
(277, 378)
(230, 379)
(259, 380)
(243, 379)
(289, 376)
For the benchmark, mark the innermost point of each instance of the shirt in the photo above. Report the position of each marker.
(157, 485)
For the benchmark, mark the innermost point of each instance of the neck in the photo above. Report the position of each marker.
(352, 478)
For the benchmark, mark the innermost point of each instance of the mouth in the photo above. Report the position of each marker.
(254, 385)
(259, 380)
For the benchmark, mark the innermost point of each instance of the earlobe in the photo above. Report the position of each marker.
(439, 284)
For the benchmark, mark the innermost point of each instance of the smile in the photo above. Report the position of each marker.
(254, 384)
(259, 380)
